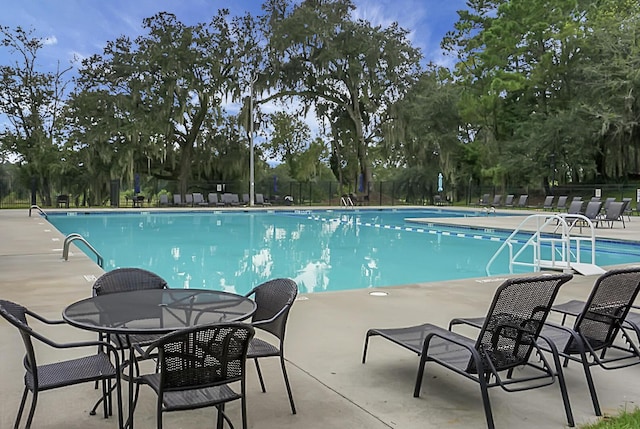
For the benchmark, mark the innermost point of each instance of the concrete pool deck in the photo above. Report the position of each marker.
(331, 387)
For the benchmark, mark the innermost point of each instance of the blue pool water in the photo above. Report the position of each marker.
(321, 250)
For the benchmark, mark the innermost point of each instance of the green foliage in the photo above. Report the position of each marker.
(625, 420)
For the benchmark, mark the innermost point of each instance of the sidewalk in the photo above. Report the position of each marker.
(331, 387)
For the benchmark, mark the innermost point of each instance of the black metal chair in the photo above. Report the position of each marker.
(99, 367)
(274, 299)
(506, 341)
(593, 339)
(196, 367)
(125, 280)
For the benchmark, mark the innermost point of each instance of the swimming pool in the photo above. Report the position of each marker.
(326, 250)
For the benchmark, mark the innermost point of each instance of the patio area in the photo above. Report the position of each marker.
(331, 387)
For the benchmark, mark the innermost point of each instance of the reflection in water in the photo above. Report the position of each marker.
(237, 251)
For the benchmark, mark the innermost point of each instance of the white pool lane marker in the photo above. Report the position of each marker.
(471, 234)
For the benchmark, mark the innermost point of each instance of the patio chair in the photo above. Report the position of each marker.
(213, 200)
(274, 299)
(507, 339)
(197, 367)
(188, 199)
(125, 280)
(508, 202)
(177, 200)
(615, 213)
(245, 199)
(548, 202)
(575, 207)
(592, 212)
(261, 201)
(593, 338)
(497, 200)
(628, 210)
(484, 200)
(198, 199)
(98, 367)
(607, 203)
(522, 201)
(561, 205)
(163, 200)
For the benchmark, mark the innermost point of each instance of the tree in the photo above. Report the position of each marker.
(161, 96)
(32, 101)
(345, 69)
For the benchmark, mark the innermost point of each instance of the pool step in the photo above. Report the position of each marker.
(578, 267)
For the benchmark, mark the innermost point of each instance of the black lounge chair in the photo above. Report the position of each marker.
(592, 212)
(484, 200)
(508, 202)
(213, 200)
(522, 201)
(506, 342)
(548, 203)
(615, 213)
(197, 365)
(497, 200)
(99, 367)
(592, 339)
(274, 299)
(561, 205)
(198, 199)
(628, 210)
(261, 201)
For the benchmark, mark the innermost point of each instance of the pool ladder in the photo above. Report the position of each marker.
(77, 237)
(36, 207)
(553, 230)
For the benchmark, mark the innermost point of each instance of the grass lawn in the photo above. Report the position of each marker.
(625, 420)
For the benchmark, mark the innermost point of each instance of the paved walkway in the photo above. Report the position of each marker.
(332, 389)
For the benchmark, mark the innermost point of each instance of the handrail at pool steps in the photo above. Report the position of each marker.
(36, 207)
(563, 256)
(75, 236)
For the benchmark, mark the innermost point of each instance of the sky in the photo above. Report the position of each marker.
(81, 28)
(77, 29)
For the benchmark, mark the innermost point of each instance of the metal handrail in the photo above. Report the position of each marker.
(75, 236)
(563, 222)
(36, 207)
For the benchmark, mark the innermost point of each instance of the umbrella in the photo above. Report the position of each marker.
(136, 183)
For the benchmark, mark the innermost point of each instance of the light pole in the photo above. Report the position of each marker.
(252, 180)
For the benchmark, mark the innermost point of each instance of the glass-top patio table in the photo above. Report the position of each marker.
(155, 311)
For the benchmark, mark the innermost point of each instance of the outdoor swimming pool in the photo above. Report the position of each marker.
(324, 250)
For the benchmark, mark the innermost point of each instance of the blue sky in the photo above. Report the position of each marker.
(80, 28)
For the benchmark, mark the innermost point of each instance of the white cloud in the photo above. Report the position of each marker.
(50, 40)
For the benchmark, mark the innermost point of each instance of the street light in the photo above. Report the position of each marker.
(252, 180)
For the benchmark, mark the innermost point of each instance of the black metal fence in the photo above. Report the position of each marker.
(382, 193)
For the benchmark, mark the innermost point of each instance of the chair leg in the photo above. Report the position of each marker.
(591, 385)
(21, 409)
(563, 385)
(286, 383)
(32, 411)
(484, 391)
(260, 375)
(366, 346)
